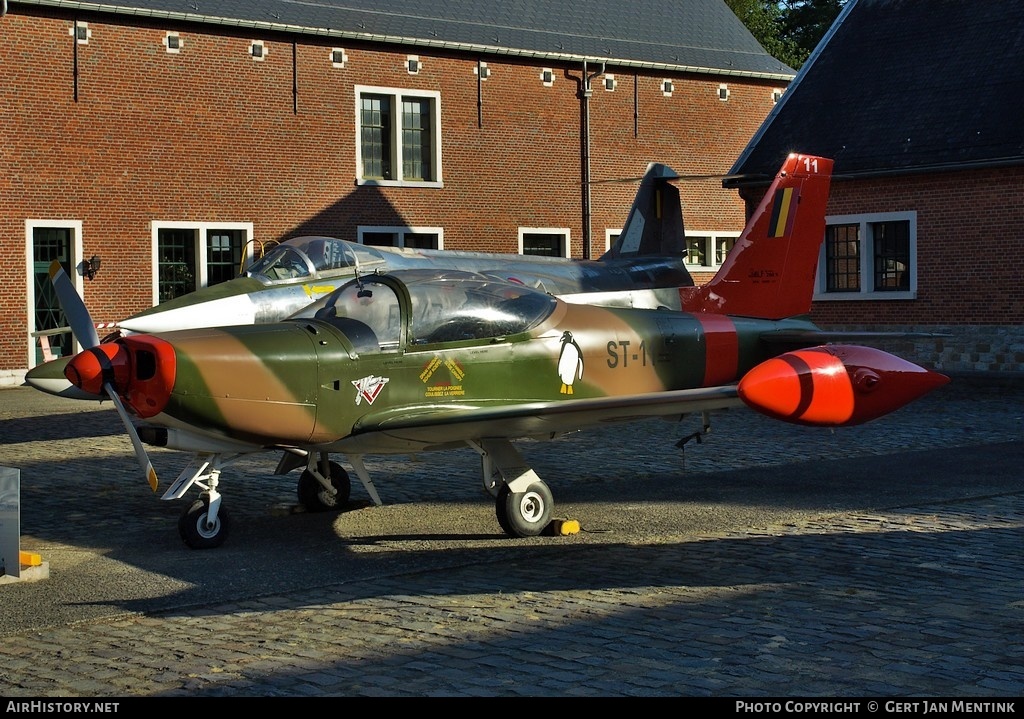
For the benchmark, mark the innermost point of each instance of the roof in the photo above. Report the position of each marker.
(902, 86)
(674, 35)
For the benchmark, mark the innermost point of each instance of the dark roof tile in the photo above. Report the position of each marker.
(693, 35)
(905, 86)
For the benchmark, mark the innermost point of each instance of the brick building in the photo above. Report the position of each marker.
(918, 104)
(172, 139)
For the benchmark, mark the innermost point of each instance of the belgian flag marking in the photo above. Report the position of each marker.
(783, 213)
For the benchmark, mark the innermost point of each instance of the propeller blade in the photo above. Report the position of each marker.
(140, 451)
(73, 306)
(85, 332)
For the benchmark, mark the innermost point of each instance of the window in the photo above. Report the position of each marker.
(338, 57)
(172, 41)
(421, 238)
(49, 336)
(667, 87)
(81, 32)
(257, 50)
(546, 242)
(776, 95)
(547, 77)
(399, 137)
(869, 257)
(709, 249)
(482, 70)
(723, 92)
(190, 255)
(610, 83)
(413, 65)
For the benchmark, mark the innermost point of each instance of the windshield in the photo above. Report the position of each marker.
(302, 257)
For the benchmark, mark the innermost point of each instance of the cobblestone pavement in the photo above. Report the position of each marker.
(767, 560)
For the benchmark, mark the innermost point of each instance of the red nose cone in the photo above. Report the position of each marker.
(835, 385)
(91, 369)
(141, 369)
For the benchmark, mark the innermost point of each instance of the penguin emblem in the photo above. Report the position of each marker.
(570, 362)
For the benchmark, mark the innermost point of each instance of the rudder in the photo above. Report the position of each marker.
(770, 271)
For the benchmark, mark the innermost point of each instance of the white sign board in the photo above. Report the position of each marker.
(10, 521)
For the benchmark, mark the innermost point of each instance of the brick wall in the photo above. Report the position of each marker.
(209, 134)
(969, 253)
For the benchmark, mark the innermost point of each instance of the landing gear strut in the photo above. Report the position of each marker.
(320, 492)
(522, 501)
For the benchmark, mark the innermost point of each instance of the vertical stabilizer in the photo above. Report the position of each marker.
(654, 225)
(770, 271)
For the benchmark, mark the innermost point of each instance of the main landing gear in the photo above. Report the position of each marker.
(324, 486)
(522, 501)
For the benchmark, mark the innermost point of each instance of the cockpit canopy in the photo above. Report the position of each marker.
(446, 306)
(306, 257)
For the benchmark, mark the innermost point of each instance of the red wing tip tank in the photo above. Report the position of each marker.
(835, 385)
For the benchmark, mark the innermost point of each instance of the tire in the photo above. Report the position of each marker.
(194, 532)
(315, 498)
(524, 514)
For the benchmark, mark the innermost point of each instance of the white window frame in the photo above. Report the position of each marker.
(867, 270)
(400, 231)
(178, 39)
(332, 57)
(610, 237)
(81, 41)
(76, 278)
(396, 94)
(563, 231)
(202, 240)
(709, 250)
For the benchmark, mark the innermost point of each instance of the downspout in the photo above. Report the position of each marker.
(585, 93)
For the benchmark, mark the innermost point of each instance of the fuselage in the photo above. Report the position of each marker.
(316, 378)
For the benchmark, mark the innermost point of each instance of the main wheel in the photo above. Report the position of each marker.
(315, 498)
(197, 533)
(524, 514)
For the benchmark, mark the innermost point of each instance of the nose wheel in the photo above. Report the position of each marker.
(203, 528)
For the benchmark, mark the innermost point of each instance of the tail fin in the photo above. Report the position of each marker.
(770, 271)
(654, 225)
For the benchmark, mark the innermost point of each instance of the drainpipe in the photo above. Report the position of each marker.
(585, 93)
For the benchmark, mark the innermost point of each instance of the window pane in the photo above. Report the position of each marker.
(536, 243)
(722, 247)
(223, 255)
(48, 244)
(696, 250)
(421, 240)
(416, 158)
(892, 255)
(381, 239)
(176, 263)
(375, 133)
(842, 258)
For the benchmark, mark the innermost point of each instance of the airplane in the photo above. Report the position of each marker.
(645, 267)
(429, 360)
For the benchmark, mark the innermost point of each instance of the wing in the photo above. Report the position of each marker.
(430, 427)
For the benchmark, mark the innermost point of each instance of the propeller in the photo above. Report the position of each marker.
(84, 330)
